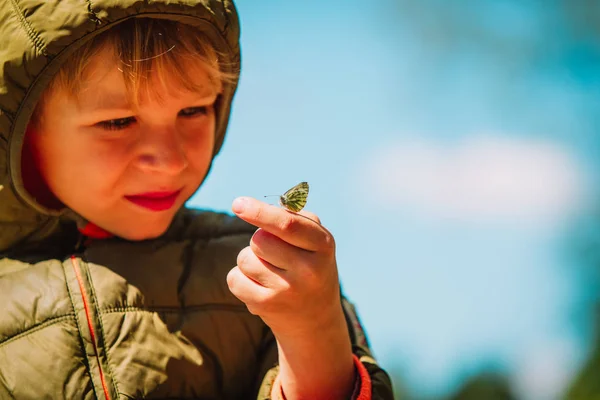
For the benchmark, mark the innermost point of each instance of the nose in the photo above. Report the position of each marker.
(161, 151)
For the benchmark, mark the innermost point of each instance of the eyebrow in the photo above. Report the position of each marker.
(117, 100)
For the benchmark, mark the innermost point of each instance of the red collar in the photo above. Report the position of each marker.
(93, 231)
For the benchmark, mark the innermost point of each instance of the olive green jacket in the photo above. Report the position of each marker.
(109, 318)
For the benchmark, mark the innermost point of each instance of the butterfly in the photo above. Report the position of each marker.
(295, 198)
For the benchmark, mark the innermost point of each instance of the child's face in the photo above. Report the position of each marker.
(97, 152)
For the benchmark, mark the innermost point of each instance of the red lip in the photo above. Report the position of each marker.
(155, 201)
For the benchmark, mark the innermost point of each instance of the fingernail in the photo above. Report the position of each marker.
(238, 205)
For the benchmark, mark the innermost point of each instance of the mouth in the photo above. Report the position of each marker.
(155, 201)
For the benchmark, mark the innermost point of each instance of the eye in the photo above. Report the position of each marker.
(116, 124)
(194, 111)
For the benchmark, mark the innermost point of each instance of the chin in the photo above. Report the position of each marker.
(146, 233)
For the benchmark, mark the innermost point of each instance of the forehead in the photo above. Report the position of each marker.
(105, 80)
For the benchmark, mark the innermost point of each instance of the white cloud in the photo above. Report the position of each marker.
(479, 178)
(545, 370)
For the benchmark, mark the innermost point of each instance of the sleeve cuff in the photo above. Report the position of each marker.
(362, 385)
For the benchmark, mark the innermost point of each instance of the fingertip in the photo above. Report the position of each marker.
(239, 205)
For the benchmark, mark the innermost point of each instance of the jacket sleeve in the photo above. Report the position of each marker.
(372, 382)
(380, 383)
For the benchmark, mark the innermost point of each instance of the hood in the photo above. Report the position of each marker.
(36, 37)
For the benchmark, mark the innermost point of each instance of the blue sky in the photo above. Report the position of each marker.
(448, 176)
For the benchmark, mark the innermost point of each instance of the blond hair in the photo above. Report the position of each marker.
(149, 51)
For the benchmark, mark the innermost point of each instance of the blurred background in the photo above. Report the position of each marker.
(452, 148)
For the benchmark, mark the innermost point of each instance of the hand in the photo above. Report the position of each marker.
(288, 274)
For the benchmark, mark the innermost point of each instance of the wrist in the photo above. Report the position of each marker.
(328, 322)
(319, 366)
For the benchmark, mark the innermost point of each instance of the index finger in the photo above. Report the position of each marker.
(295, 229)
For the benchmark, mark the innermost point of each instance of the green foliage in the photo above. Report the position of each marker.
(488, 386)
(586, 386)
(485, 386)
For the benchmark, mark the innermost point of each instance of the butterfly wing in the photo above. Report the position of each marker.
(295, 198)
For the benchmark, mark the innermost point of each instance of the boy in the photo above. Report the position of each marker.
(111, 114)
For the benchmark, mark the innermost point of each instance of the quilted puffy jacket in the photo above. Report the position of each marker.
(85, 317)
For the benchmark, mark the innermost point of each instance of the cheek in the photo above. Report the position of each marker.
(199, 148)
(107, 158)
(75, 166)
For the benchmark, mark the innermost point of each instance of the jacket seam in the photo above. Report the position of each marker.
(31, 33)
(101, 336)
(226, 17)
(175, 310)
(3, 112)
(93, 15)
(187, 257)
(83, 350)
(209, 236)
(217, 365)
(93, 338)
(37, 327)
(173, 238)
